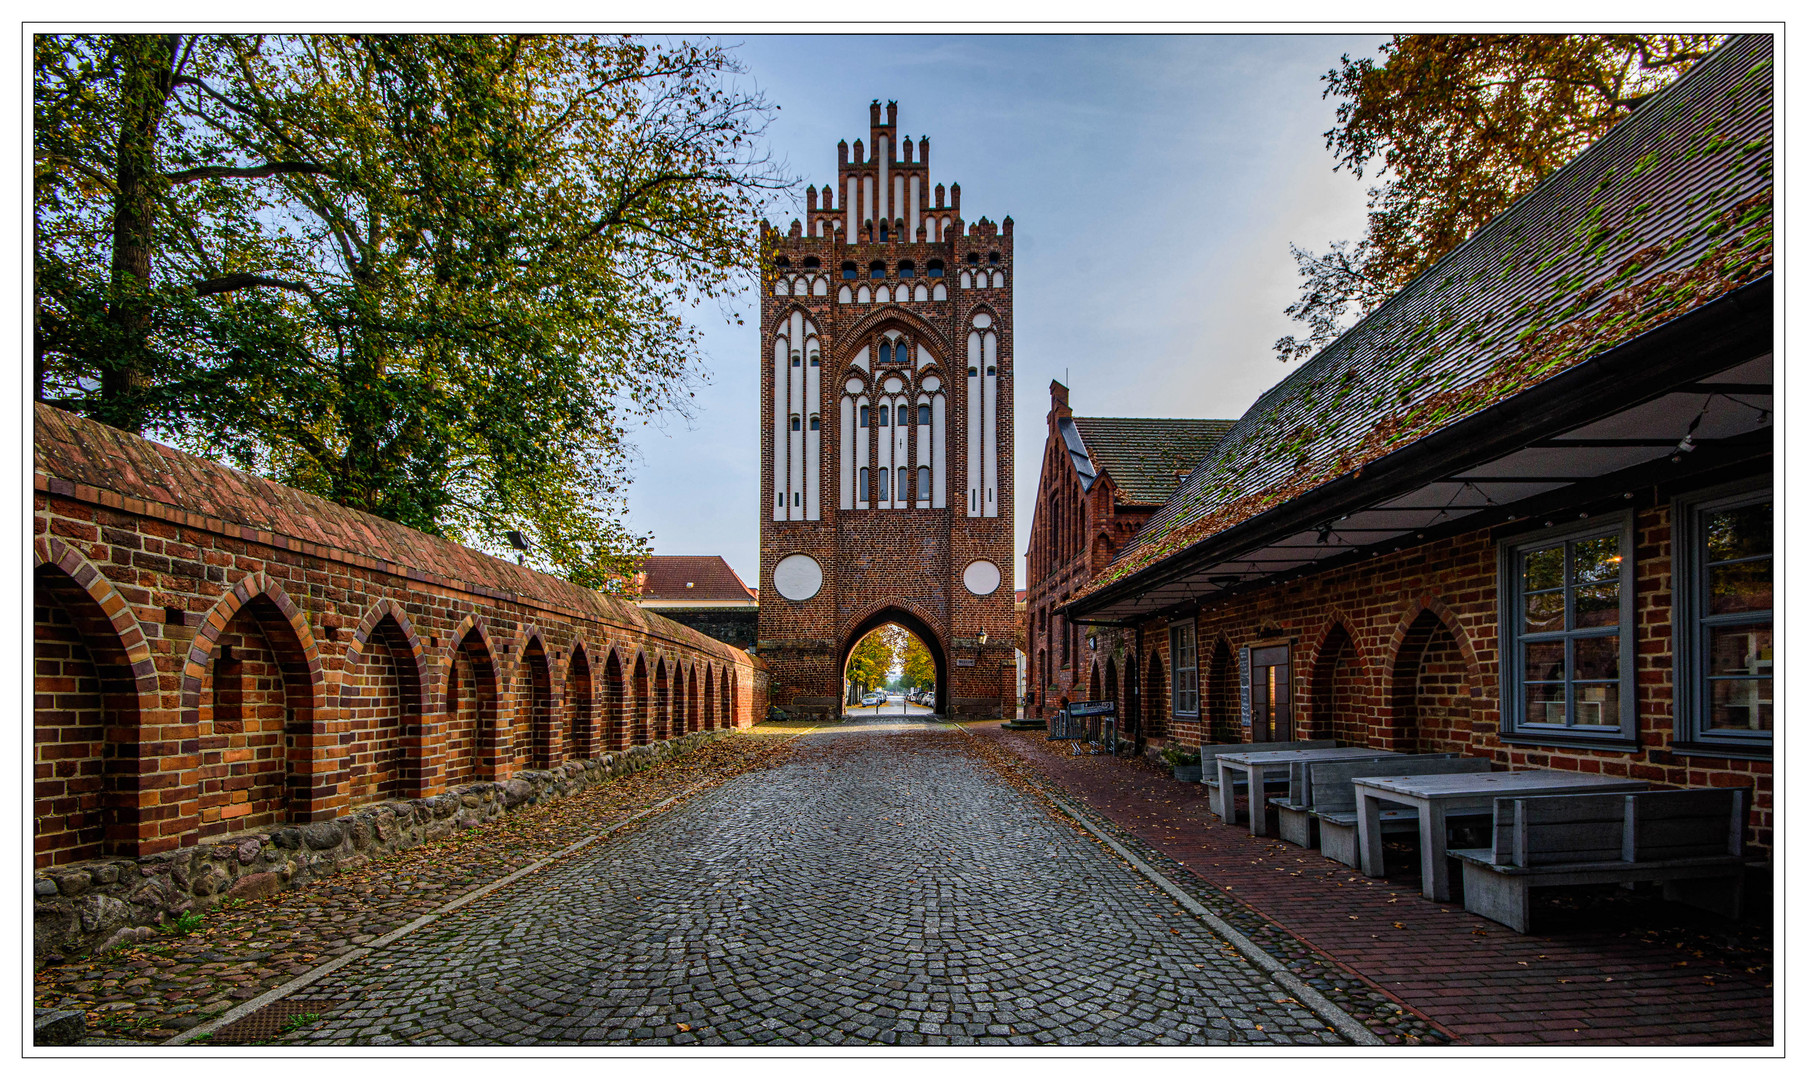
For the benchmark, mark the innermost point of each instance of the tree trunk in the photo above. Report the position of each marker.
(147, 70)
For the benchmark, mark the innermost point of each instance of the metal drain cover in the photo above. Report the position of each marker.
(270, 1022)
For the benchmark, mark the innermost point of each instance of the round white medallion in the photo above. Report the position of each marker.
(981, 577)
(932, 383)
(799, 577)
(854, 386)
(981, 320)
(892, 386)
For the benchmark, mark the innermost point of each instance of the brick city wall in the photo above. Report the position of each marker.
(219, 655)
(1402, 652)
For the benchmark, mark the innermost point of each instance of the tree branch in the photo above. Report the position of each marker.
(252, 172)
(232, 282)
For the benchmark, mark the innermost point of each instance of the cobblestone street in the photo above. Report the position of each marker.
(883, 885)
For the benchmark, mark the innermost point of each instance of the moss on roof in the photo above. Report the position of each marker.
(1668, 211)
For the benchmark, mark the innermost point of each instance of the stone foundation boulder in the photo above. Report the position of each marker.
(84, 907)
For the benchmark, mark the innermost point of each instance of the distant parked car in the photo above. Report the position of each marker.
(872, 699)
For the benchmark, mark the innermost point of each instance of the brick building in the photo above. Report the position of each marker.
(218, 655)
(885, 326)
(1522, 510)
(704, 593)
(1101, 480)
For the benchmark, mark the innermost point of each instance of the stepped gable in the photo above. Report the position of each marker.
(1668, 211)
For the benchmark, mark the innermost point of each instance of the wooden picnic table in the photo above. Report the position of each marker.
(1437, 798)
(1257, 763)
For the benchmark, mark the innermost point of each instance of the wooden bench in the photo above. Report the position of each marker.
(1333, 798)
(1691, 841)
(1208, 758)
(1297, 825)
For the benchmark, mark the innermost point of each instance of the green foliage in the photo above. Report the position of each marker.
(918, 664)
(298, 1021)
(1176, 755)
(871, 661)
(1461, 126)
(432, 277)
(186, 923)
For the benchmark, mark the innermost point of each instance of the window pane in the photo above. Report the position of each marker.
(1742, 703)
(1543, 569)
(1597, 559)
(1597, 605)
(1543, 612)
(1740, 650)
(1544, 703)
(1544, 661)
(1597, 705)
(1597, 657)
(884, 486)
(1740, 532)
(1740, 586)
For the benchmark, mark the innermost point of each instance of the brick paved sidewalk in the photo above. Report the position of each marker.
(152, 991)
(1611, 968)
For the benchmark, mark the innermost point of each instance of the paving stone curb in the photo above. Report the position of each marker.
(320, 971)
(1386, 1018)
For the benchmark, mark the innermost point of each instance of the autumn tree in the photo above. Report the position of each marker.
(1456, 127)
(918, 664)
(432, 277)
(870, 662)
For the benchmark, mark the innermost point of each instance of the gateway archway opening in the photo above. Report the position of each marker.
(893, 652)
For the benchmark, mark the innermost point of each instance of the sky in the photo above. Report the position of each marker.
(1155, 183)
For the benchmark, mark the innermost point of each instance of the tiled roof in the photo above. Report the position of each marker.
(1148, 457)
(692, 577)
(1666, 212)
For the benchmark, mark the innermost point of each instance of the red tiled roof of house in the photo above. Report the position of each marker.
(692, 577)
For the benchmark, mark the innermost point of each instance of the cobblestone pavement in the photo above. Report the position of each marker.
(1607, 967)
(151, 991)
(883, 885)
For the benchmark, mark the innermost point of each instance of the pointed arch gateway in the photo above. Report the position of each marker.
(916, 625)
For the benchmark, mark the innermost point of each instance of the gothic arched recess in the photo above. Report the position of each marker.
(915, 625)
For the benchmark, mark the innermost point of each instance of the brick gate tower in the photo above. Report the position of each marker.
(886, 449)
